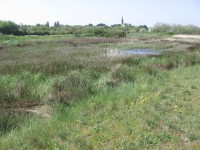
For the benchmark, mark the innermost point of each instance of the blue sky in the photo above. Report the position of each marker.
(82, 12)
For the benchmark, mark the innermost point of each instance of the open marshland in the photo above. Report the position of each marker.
(65, 92)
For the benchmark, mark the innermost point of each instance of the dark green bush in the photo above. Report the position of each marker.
(9, 27)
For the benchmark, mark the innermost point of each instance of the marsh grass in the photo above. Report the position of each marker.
(133, 102)
(132, 116)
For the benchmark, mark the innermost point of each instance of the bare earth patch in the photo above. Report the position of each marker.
(189, 39)
(187, 36)
(34, 108)
(43, 111)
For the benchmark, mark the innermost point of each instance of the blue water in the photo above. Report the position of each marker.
(142, 52)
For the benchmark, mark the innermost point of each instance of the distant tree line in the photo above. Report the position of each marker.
(101, 29)
(175, 29)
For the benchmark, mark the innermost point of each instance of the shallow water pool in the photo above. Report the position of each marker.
(142, 52)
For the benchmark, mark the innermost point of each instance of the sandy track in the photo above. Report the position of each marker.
(187, 36)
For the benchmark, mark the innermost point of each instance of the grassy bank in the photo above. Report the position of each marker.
(76, 93)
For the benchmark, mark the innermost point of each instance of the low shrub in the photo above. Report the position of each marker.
(175, 29)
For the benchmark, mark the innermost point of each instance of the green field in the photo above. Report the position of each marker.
(66, 92)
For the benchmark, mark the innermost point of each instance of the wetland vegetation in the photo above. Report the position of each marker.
(74, 92)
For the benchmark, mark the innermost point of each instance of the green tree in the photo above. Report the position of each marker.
(47, 24)
(9, 27)
(56, 24)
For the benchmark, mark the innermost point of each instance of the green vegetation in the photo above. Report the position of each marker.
(176, 29)
(100, 30)
(9, 27)
(67, 92)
